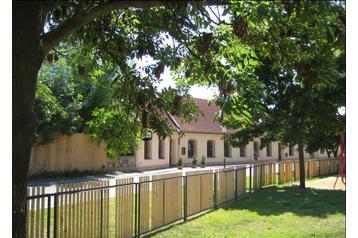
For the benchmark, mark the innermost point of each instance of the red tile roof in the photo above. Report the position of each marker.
(205, 123)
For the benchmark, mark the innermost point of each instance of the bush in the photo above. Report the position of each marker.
(180, 163)
(194, 162)
(203, 161)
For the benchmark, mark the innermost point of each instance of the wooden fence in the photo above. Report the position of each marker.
(290, 170)
(68, 152)
(129, 209)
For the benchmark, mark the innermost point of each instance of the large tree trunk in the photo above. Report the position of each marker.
(302, 163)
(27, 57)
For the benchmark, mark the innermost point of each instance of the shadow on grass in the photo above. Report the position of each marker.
(180, 222)
(277, 200)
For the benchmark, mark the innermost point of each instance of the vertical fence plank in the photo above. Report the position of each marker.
(282, 172)
(91, 214)
(28, 213)
(124, 208)
(288, 171)
(73, 210)
(31, 215)
(37, 213)
(42, 225)
(65, 207)
(85, 211)
(157, 202)
(144, 204)
(77, 229)
(241, 181)
(59, 213)
(95, 211)
(70, 212)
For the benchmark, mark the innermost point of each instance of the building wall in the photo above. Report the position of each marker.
(201, 149)
(286, 155)
(67, 153)
(77, 151)
(274, 154)
(154, 162)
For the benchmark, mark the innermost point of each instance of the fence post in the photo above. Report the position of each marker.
(138, 218)
(215, 188)
(48, 216)
(261, 176)
(185, 198)
(101, 230)
(55, 216)
(294, 170)
(163, 200)
(250, 178)
(135, 209)
(236, 183)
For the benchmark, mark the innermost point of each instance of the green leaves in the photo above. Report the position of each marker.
(269, 60)
(118, 128)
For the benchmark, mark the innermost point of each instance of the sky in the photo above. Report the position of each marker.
(167, 80)
(195, 91)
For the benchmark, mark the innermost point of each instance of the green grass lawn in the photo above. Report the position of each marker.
(279, 211)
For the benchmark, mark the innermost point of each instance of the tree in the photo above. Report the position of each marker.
(113, 26)
(279, 69)
(301, 80)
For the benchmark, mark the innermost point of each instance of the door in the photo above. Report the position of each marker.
(279, 152)
(256, 151)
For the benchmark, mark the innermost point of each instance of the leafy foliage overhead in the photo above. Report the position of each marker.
(273, 62)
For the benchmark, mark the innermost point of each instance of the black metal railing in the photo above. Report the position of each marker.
(217, 175)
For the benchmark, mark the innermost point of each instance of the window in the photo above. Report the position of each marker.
(210, 149)
(227, 149)
(191, 148)
(321, 151)
(161, 149)
(269, 150)
(148, 149)
(243, 151)
(290, 150)
(182, 150)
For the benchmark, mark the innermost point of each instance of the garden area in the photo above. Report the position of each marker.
(277, 211)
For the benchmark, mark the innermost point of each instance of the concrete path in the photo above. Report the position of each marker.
(326, 183)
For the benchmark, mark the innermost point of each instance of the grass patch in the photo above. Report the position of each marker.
(278, 211)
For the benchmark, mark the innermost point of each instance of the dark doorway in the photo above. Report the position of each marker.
(279, 152)
(256, 150)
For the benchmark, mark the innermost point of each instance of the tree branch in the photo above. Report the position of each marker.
(80, 19)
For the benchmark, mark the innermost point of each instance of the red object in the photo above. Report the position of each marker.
(342, 158)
